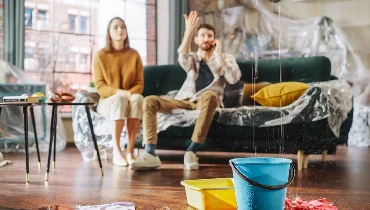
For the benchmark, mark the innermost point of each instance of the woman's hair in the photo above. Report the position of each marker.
(108, 46)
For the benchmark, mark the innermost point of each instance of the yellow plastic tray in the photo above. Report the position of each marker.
(210, 193)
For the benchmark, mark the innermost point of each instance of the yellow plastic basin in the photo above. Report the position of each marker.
(210, 193)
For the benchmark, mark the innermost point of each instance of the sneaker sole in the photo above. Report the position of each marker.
(143, 168)
(191, 167)
(120, 165)
(117, 165)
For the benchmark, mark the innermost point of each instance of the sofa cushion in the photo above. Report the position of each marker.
(233, 95)
(239, 94)
(288, 92)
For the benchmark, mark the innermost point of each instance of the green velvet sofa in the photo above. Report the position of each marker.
(299, 138)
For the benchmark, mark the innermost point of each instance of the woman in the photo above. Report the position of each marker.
(119, 81)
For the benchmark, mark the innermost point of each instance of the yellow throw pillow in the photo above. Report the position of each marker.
(251, 89)
(288, 92)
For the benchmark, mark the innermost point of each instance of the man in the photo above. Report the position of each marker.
(208, 70)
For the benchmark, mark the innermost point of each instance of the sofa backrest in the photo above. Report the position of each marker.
(159, 80)
(306, 69)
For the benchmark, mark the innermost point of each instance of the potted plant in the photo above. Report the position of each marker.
(91, 88)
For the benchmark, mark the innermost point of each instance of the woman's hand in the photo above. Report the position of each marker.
(124, 93)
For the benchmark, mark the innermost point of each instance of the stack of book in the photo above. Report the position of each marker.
(20, 99)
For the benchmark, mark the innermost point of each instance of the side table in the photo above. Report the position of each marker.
(53, 129)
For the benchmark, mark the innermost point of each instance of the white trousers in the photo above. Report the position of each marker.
(117, 107)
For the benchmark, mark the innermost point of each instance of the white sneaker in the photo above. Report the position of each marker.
(191, 161)
(130, 159)
(146, 161)
(119, 161)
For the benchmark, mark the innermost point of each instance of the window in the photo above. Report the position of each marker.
(62, 55)
(83, 24)
(28, 17)
(28, 52)
(72, 22)
(42, 19)
(42, 15)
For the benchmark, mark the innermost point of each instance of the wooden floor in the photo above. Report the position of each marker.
(344, 180)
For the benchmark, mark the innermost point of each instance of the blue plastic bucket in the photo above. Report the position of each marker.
(261, 182)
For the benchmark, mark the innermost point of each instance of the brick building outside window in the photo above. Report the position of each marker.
(62, 37)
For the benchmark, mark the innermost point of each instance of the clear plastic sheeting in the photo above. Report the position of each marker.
(359, 135)
(13, 81)
(12, 130)
(249, 29)
(102, 129)
(332, 100)
(253, 30)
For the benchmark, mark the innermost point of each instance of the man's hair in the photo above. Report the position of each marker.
(207, 26)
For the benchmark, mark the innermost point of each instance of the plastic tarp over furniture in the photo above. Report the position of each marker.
(332, 100)
(13, 82)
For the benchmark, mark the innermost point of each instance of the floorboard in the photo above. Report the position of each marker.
(344, 180)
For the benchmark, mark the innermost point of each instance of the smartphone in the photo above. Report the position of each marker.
(214, 46)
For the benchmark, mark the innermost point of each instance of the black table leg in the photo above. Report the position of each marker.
(50, 142)
(25, 120)
(94, 138)
(55, 133)
(35, 133)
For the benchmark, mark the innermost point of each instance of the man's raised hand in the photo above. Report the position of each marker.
(191, 22)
